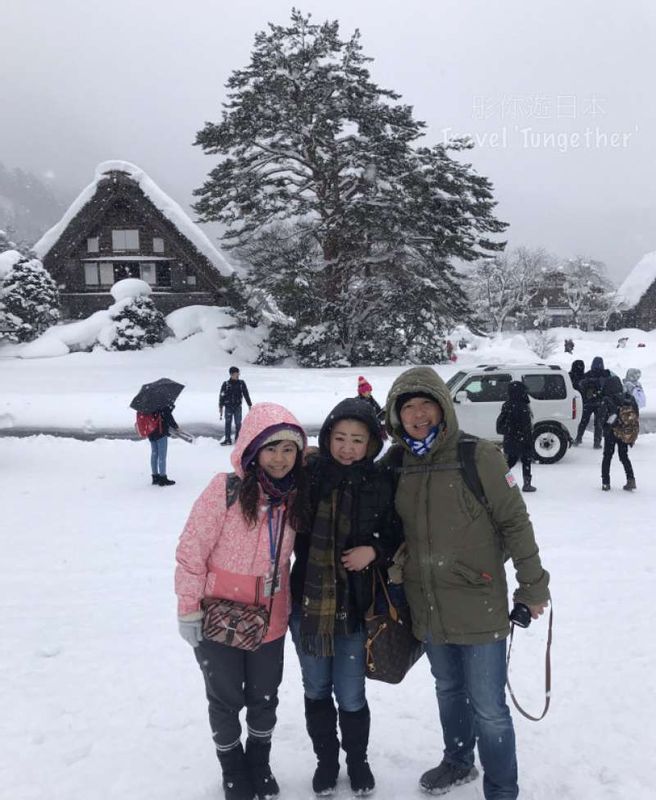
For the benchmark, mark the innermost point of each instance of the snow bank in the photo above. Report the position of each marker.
(7, 261)
(193, 319)
(130, 287)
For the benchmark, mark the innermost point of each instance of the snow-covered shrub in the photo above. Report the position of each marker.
(542, 343)
(138, 324)
(29, 301)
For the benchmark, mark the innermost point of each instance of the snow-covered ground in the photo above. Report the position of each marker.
(101, 700)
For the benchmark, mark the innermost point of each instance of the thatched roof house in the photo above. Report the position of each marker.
(124, 226)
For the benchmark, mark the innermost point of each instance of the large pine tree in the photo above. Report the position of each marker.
(308, 139)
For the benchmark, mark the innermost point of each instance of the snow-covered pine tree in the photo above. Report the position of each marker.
(308, 139)
(138, 324)
(29, 301)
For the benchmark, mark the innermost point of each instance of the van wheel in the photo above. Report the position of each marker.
(549, 443)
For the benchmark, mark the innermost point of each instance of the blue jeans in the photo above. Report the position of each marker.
(342, 673)
(230, 412)
(158, 455)
(470, 685)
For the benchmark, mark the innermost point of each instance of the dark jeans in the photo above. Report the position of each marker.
(236, 678)
(342, 673)
(470, 685)
(514, 451)
(588, 411)
(623, 452)
(230, 413)
(158, 450)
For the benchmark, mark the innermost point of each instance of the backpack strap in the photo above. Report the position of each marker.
(233, 485)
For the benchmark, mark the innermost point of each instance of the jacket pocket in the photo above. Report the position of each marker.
(472, 576)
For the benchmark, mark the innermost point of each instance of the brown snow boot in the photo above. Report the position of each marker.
(630, 485)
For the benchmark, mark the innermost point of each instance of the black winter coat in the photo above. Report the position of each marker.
(232, 392)
(374, 519)
(515, 420)
(591, 386)
(613, 397)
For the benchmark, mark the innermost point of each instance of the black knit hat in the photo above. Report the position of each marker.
(403, 398)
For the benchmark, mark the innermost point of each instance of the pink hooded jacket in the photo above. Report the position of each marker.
(219, 554)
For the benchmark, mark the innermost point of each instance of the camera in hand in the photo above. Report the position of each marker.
(521, 615)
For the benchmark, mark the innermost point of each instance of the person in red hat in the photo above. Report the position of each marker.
(364, 393)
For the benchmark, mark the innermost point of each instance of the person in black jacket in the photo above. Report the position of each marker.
(159, 445)
(613, 397)
(576, 373)
(365, 393)
(591, 388)
(516, 425)
(354, 528)
(230, 397)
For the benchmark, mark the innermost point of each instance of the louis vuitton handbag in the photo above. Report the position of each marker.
(241, 625)
(391, 648)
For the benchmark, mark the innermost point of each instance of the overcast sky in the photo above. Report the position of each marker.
(559, 95)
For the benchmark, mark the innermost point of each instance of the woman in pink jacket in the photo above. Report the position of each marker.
(228, 550)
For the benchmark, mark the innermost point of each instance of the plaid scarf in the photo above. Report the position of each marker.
(325, 608)
(421, 447)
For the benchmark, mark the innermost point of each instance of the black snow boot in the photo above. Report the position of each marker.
(355, 739)
(528, 487)
(237, 783)
(321, 723)
(444, 777)
(226, 441)
(164, 481)
(257, 755)
(155, 479)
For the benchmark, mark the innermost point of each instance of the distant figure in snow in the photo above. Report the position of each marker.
(591, 388)
(620, 419)
(230, 397)
(569, 345)
(159, 441)
(633, 386)
(364, 393)
(576, 373)
(515, 424)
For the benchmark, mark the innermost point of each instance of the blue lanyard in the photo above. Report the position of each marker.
(272, 540)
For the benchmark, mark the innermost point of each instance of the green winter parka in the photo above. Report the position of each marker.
(454, 576)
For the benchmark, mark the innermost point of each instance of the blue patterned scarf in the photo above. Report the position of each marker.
(421, 447)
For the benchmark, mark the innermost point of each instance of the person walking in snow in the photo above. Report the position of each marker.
(633, 386)
(515, 424)
(230, 397)
(159, 442)
(455, 580)
(236, 545)
(576, 373)
(591, 388)
(353, 528)
(616, 431)
(365, 393)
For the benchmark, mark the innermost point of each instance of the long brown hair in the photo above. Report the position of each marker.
(298, 507)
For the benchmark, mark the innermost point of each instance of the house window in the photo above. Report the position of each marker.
(158, 245)
(163, 274)
(125, 240)
(126, 270)
(191, 280)
(98, 274)
(93, 244)
(106, 274)
(148, 273)
(91, 274)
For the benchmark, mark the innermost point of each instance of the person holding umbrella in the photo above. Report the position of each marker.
(154, 404)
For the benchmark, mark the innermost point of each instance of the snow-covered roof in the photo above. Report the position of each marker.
(171, 210)
(638, 281)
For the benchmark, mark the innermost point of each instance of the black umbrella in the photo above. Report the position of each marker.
(158, 394)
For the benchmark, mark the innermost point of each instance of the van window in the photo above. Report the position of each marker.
(492, 388)
(547, 386)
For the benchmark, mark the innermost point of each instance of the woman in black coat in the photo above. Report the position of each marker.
(515, 423)
(353, 528)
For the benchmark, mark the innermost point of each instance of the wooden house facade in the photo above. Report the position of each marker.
(124, 226)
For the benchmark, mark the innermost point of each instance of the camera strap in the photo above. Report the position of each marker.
(547, 672)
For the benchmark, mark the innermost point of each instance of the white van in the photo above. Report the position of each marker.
(479, 393)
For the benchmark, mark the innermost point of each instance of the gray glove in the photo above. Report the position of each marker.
(191, 628)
